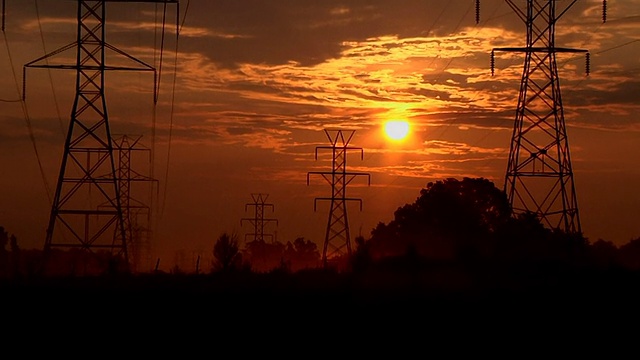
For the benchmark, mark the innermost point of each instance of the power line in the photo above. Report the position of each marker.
(27, 119)
(171, 114)
(53, 91)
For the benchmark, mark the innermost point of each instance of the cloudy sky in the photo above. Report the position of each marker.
(248, 87)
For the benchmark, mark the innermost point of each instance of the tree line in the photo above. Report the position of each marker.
(452, 222)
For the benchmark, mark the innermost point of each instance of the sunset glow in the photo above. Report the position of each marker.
(245, 90)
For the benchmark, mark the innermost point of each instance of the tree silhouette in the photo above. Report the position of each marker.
(301, 254)
(361, 258)
(470, 221)
(264, 256)
(629, 254)
(604, 254)
(450, 219)
(4, 255)
(525, 241)
(15, 255)
(4, 239)
(226, 253)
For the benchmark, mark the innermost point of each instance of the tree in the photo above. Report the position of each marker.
(4, 254)
(15, 254)
(604, 253)
(525, 241)
(629, 254)
(301, 254)
(265, 256)
(226, 252)
(451, 219)
(361, 258)
(4, 239)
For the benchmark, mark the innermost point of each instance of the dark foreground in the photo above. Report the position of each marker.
(316, 296)
(402, 314)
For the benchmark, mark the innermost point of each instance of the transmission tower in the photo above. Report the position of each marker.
(539, 176)
(337, 241)
(136, 215)
(258, 221)
(87, 179)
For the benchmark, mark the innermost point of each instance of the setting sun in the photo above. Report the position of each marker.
(396, 129)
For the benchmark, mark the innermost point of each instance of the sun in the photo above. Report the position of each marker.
(396, 129)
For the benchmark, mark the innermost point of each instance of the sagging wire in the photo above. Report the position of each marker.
(27, 119)
(179, 25)
(51, 82)
(3, 13)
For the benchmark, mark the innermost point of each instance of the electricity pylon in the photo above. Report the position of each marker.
(258, 221)
(337, 242)
(87, 179)
(539, 176)
(136, 215)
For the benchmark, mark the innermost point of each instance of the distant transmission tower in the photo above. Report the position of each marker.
(87, 179)
(539, 177)
(258, 221)
(337, 242)
(136, 215)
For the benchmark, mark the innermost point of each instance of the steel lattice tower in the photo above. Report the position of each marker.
(258, 221)
(136, 215)
(539, 176)
(88, 202)
(337, 242)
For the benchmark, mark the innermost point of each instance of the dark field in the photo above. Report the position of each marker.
(434, 295)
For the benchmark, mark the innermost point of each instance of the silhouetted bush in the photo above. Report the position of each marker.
(226, 253)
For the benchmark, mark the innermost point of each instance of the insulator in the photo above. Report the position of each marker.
(24, 83)
(477, 11)
(604, 11)
(493, 62)
(588, 63)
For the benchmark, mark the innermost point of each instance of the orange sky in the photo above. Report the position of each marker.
(257, 81)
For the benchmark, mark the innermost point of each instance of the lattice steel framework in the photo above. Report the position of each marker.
(88, 200)
(539, 176)
(136, 215)
(258, 221)
(337, 242)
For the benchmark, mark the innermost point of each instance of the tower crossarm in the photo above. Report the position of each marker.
(252, 221)
(348, 176)
(534, 50)
(97, 65)
(541, 49)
